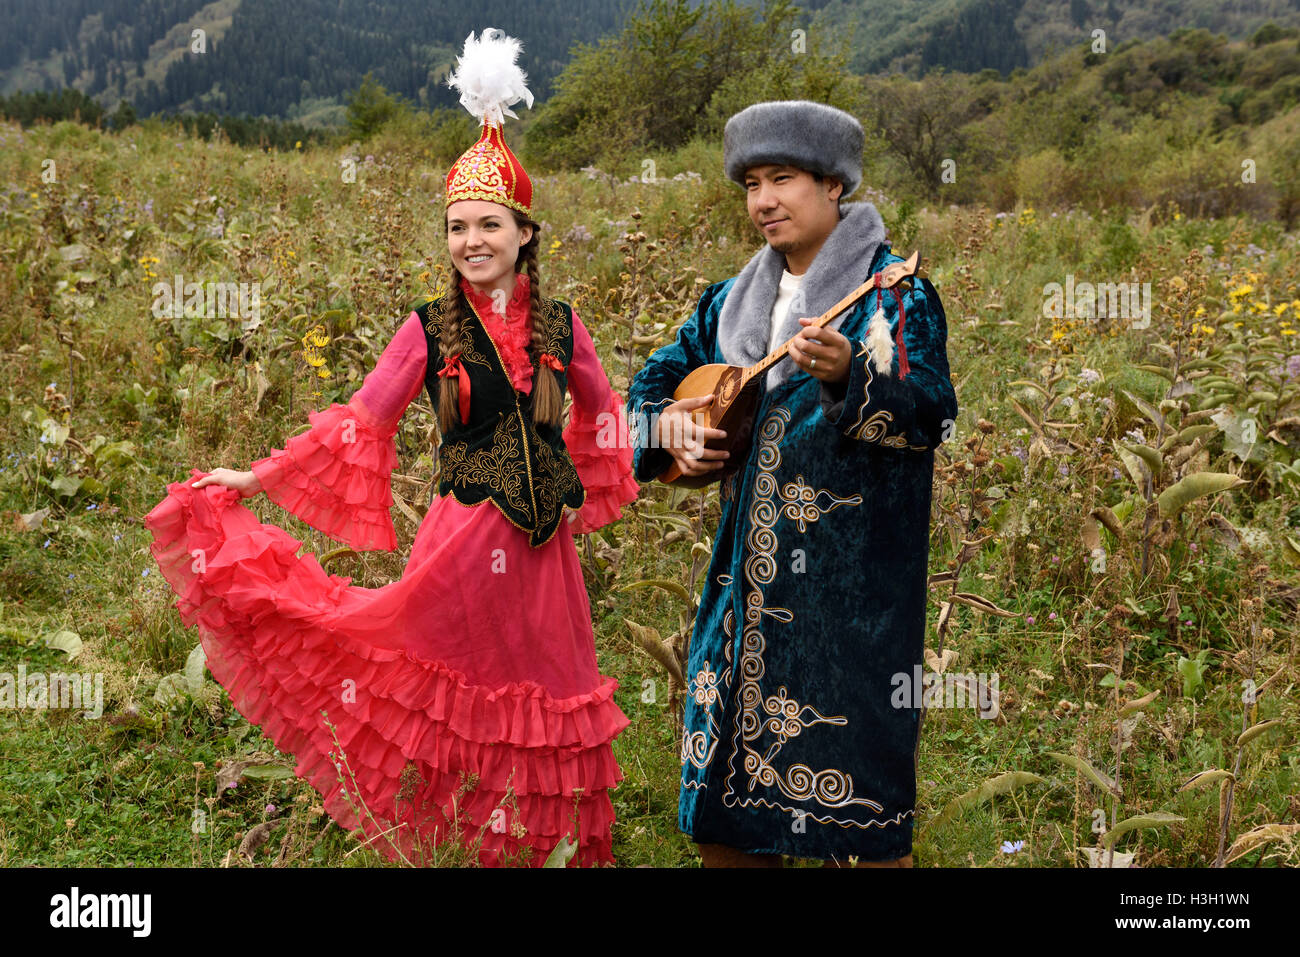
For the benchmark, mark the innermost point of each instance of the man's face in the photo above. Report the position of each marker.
(790, 208)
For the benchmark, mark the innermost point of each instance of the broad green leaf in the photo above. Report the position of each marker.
(1254, 731)
(1154, 819)
(1203, 778)
(1173, 499)
(676, 588)
(194, 668)
(1148, 455)
(68, 641)
(1001, 784)
(1105, 782)
(269, 772)
(562, 854)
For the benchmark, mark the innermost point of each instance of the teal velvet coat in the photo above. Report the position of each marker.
(816, 594)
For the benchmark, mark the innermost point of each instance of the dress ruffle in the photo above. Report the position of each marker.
(288, 640)
(336, 477)
(605, 472)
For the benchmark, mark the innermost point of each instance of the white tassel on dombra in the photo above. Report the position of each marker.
(879, 345)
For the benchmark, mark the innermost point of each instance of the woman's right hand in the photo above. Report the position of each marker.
(245, 483)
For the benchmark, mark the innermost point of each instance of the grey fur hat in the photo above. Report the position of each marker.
(801, 133)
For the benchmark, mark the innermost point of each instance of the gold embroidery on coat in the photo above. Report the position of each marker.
(875, 429)
(785, 717)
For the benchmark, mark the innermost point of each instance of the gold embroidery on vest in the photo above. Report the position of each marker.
(498, 467)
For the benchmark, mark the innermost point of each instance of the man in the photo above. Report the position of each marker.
(814, 606)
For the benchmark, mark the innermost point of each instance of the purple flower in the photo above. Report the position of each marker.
(1052, 617)
(1293, 367)
(1029, 619)
(1009, 847)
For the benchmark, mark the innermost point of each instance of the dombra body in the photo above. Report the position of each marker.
(735, 388)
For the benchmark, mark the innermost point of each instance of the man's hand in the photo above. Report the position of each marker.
(684, 439)
(832, 352)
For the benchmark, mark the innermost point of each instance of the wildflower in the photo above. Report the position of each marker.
(270, 809)
(1010, 847)
(1029, 619)
(144, 573)
(1056, 560)
(1052, 617)
(1189, 622)
(47, 544)
(91, 507)
(1089, 376)
(116, 537)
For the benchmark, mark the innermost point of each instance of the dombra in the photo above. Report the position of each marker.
(735, 389)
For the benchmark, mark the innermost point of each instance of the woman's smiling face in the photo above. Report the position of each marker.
(484, 239)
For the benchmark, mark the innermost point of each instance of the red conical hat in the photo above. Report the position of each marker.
(490, 82)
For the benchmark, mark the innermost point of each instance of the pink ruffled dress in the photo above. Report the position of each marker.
(467, 691)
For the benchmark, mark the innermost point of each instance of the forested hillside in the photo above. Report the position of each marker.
(275, 57)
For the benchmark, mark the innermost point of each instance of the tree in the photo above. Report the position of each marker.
(370, 107)
(676, 72)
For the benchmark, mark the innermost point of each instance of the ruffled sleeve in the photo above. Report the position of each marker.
(597, 438)
(337, 476)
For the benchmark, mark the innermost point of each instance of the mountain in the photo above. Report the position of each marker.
(289, 58)
(913, 36)
(297, 59)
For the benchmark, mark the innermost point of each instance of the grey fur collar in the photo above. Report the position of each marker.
(841, 265)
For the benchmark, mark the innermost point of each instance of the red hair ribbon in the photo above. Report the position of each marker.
(452, 366)
(550, 360)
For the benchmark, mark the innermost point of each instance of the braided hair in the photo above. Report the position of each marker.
(548, 403)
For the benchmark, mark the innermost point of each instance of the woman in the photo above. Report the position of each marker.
(465, 696)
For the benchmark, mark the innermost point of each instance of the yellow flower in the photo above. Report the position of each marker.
(1279, 308)
(1288, 332)
(298, 145)
(1239, 292)
(1177, 216)
(1200, 311)
(324, 373)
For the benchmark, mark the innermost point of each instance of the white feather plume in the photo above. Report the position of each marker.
(489, 80)
(879, 344)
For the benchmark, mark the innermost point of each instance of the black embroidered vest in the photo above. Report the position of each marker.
(500, 453)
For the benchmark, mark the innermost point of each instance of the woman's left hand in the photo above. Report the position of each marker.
(822, 353)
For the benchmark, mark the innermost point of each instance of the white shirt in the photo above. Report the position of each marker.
(785, 293)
